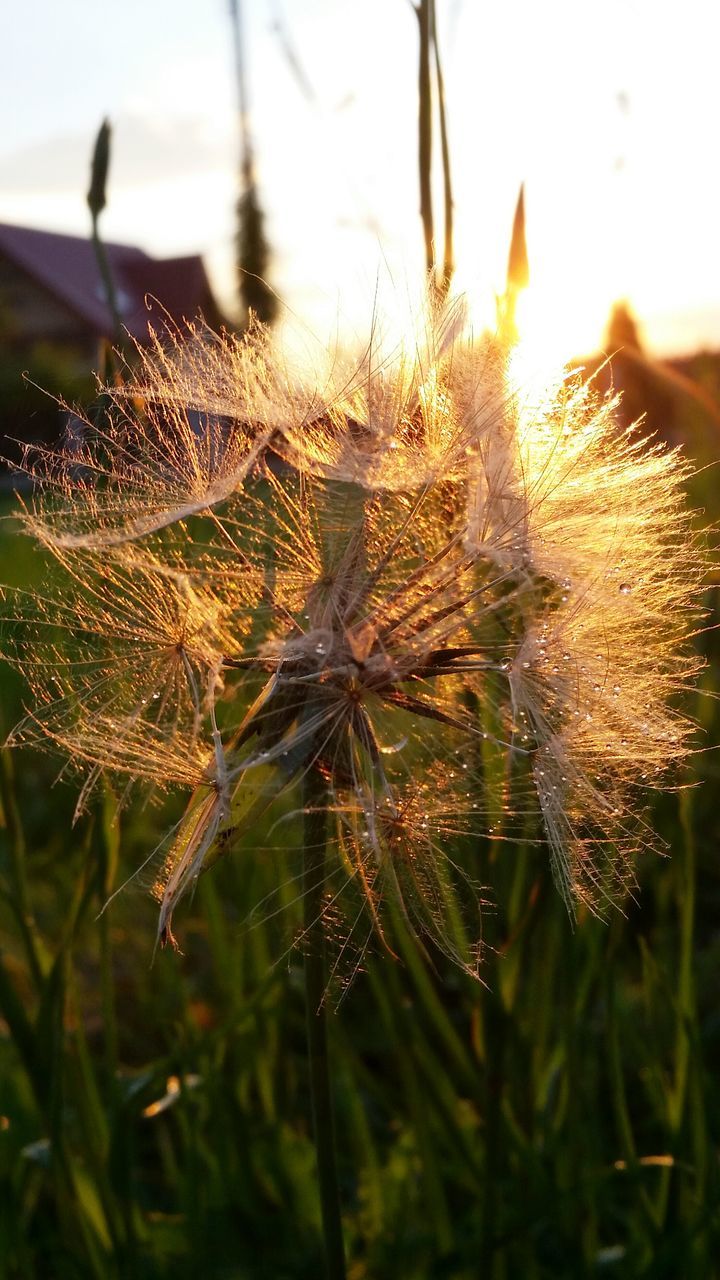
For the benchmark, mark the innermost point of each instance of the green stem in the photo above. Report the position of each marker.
(315, 837)
(108, 283)
(685, 1000)
(19, 899)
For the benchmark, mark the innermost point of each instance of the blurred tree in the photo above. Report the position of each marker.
(677, 400)
(622, 329)
(253, 251)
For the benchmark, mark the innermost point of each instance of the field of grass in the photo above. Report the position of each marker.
(561, 1121)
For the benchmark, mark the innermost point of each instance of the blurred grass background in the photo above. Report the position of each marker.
(561, 1121)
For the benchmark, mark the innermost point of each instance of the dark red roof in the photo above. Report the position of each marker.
(146, 287)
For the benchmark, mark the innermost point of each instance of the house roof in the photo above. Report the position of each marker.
(174, 288)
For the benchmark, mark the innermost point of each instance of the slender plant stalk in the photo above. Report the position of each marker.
(97, 200)
(429, 53)
(425, 135)
(448, 266)
(685, 997)
(18, 899)
(315, 836)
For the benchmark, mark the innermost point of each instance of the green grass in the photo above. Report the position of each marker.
(561, 1122)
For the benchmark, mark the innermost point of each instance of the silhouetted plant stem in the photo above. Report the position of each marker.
(425, 135)
(97, 200)
(448, 266)
(315, 837)
(439, 275)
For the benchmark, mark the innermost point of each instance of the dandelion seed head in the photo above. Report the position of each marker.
(381, 568)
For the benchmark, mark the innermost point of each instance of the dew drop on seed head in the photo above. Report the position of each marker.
(625, 588)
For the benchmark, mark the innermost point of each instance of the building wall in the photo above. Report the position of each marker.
(29, 313)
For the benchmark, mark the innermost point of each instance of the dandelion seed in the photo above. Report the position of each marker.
(268, 570)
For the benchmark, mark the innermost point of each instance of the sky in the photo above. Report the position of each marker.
(608, 113)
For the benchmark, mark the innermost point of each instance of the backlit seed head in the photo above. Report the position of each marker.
(382, 570)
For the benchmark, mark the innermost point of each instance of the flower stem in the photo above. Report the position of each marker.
(315, 836)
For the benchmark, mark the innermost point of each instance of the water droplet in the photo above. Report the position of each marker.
(625, 588)
(566, 657)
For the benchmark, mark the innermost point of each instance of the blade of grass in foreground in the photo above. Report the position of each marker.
(315, 836)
